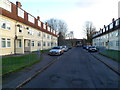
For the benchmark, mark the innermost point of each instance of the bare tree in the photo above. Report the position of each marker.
(89, 30)
(58, 25)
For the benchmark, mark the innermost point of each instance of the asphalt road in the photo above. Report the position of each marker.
(76, 68)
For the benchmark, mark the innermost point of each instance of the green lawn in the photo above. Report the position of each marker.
(13, 63)
(115, 55)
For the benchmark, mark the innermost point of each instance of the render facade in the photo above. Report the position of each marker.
(108, 37)
(21, 32)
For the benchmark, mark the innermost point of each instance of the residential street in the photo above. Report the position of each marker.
(76, 68)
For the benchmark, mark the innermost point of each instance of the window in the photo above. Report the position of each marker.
(44, 43)
(30, 31)
(20, 13)
(30, 18)
(20, 29)
(44, 36)
(39, 23)
(103, 29)
(48, 43)
(8, 26)
(6, 5)
(106, 28)
(117, 23)
(8, 43)
(44, 26)
(33, 43)
(48, 36)
(3, 42)
(117, 43)
(39, 44)
(111, 26)
(5, 24)
(19, 43)
(39, 34)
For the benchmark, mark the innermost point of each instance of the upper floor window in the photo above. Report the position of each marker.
(39, 34)
(20, 28)
(117, 22)
(111, 25)
(48, 28)
(106, 28)
(20, 12)
(30, 31)
(5, 24)
(44, 26)
(103, 29)
(39, 23)
(5, 4)
(31, 18)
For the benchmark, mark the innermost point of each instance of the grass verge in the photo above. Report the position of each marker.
(15, 63)
(113, 54)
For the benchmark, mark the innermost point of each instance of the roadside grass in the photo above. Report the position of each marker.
(45, 51)
(115, 55)
(15, 63)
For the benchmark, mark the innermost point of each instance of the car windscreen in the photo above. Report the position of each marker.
(56, 48)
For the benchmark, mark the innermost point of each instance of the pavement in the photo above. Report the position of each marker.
(112, 64)
(14, 79)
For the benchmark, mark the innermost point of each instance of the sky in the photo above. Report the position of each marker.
(74, 12)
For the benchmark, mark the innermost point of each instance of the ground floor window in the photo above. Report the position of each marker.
(117, 43)
(19, 43)
(44, 43)
(8, 43)
(3, 42)
(33, 43)
(39, 44)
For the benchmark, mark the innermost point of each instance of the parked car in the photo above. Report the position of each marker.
(87, 47)
(65, 48)
(84, 47)
(69, 47)
(56, 50)
(92, 49)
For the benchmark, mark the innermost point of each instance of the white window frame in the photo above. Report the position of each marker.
(33, 43)
(5, 4)
(19, 43)
(8, 41)
(4, 42)
(39, 23)
(31, 18)
(20, 13)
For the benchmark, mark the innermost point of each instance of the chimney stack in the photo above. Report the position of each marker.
(113, 20)
(18, 4)
(38, 18)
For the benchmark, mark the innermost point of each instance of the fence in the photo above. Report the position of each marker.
(15, 62)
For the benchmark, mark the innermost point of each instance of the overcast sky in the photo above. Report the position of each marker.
(74, 12)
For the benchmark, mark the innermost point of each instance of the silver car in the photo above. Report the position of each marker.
(56, 51)
(92, 49)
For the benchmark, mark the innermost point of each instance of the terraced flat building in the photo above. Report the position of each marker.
(109, 37)
(21, 32)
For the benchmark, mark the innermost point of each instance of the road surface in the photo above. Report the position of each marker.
(76, 68)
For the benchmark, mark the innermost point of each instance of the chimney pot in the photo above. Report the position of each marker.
(38, 18)
(113, 20)
(18, 4)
